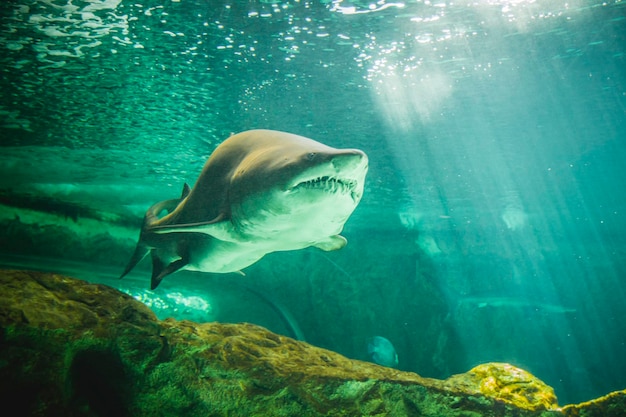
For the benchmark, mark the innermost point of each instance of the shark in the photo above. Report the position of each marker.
(260, 191)
(515, 302)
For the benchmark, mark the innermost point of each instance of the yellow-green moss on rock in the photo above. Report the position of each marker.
(507, 383)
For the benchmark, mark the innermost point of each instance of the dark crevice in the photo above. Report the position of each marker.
(101, 383)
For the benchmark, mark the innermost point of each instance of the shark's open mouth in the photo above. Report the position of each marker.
(329, 184)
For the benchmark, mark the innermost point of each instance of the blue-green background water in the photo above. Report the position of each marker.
(493, 224)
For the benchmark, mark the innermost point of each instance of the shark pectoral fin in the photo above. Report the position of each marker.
(332, 243)
(160, 270)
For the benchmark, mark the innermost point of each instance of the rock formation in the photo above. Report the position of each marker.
(77, 349)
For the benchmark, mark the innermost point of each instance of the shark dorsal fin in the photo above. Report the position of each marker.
(186, 191)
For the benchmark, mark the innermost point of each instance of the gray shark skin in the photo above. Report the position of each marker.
(260, 191)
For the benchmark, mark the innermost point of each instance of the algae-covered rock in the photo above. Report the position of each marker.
(77, 349)
(611, 405)
(507, 383)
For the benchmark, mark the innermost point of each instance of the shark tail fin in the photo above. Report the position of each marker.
(159, 269)
(141, 250)
(151, 217)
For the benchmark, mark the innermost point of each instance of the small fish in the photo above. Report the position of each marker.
(382, 352)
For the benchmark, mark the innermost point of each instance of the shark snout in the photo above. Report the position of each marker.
(349, 160)
(338, 170)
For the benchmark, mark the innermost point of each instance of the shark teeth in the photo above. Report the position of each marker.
(330, 184)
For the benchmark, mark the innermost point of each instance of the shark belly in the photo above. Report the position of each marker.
(219, 256)
(223, 257)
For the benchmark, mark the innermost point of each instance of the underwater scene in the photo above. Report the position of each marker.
(460, 199)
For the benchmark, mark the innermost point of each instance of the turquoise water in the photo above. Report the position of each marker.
(492, 226)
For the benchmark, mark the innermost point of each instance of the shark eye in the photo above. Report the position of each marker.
(311, 156)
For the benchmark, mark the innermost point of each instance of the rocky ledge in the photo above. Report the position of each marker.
(72, 348)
